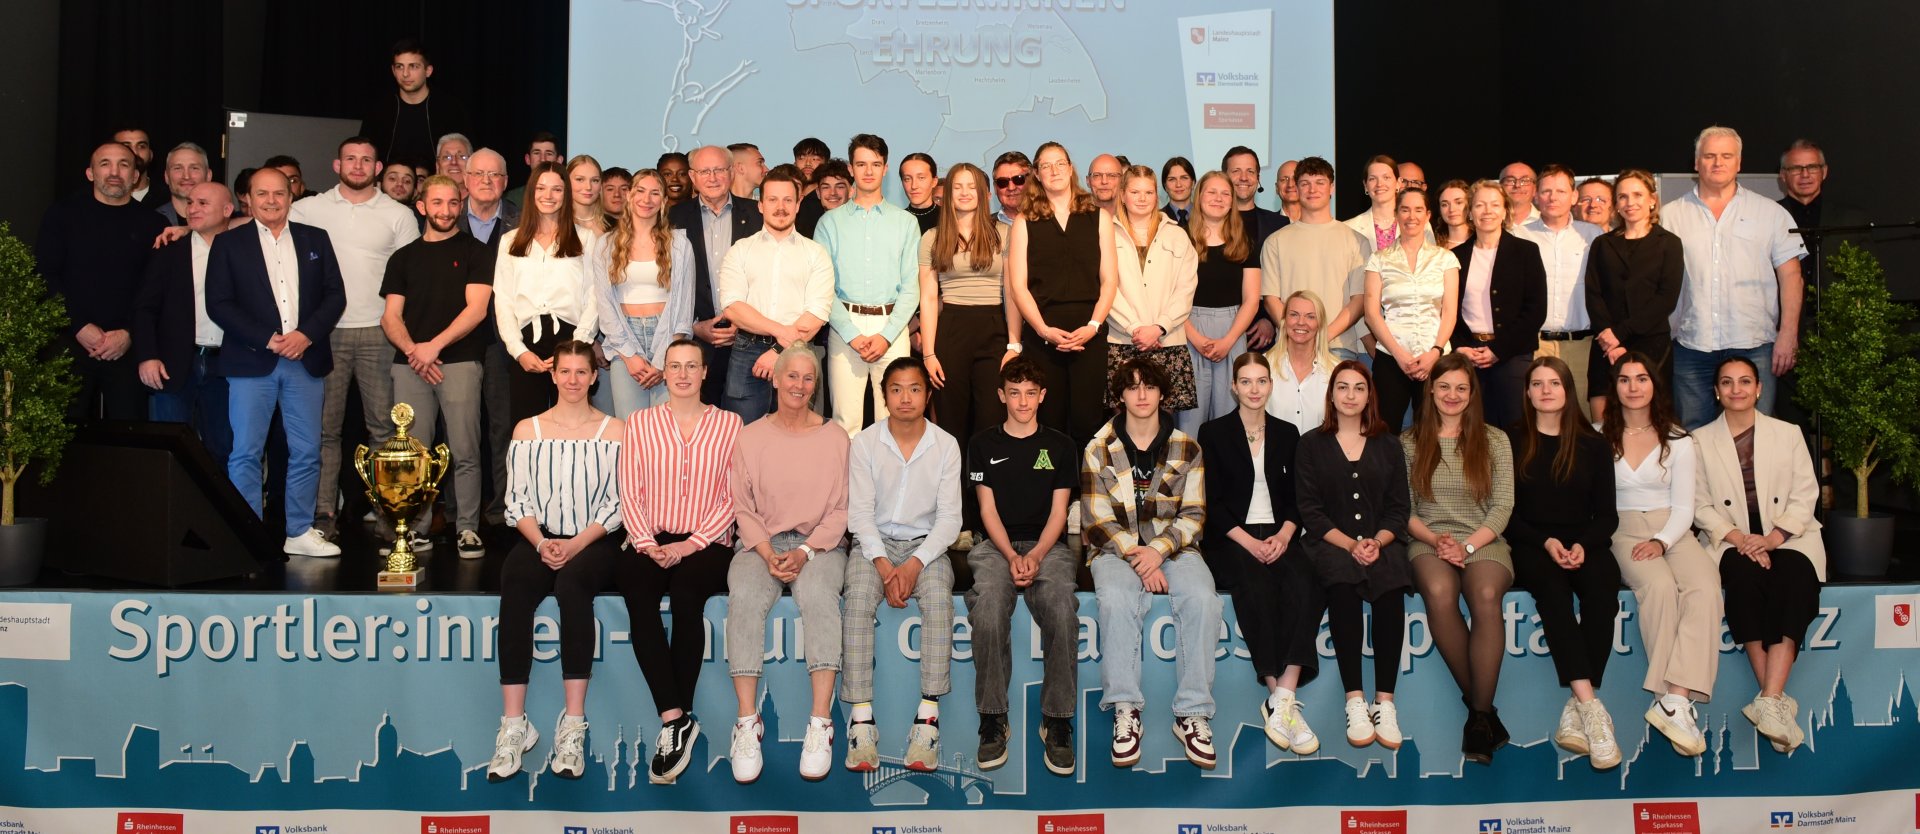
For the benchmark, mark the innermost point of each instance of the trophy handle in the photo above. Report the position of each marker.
(440, 462)
(360, 465)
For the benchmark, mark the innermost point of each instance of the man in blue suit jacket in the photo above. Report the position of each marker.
(274, 288)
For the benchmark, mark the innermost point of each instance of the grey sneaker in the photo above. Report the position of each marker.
(569, 747)
(1056, 735)
(1571, 735)
(993, 742)
(863, 746)
(515, 738)
(923, 745)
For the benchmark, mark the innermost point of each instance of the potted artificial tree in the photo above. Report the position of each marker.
(1859, 375)
(36, 384)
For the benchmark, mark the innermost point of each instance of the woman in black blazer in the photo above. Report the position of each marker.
(1498, 324)
(1633, 284)
(1250, 543)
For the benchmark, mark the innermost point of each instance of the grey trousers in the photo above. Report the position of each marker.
(752, 591)
(458, 398)
(1055, 608)
(363, 354)
(864, 596)
(497, 394)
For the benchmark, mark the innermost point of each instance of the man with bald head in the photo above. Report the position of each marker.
(714, 220)
(1103, 179)
(93, 250)
(1519, 180)
(1288, 190)
(174, 340)
(487, 214)
(1412, 176)
(488, 218)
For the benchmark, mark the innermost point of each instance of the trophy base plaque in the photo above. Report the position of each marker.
(400, 580)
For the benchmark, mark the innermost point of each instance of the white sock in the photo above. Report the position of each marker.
(1279, 695)
(1674, 701)
(747, 720)
(821, 721)
(862, 711)
(514, 719)
(928, 709)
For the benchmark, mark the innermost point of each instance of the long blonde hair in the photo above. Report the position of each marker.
(627, 229)
(1321, 355)
(592, 216)
(1235, 232)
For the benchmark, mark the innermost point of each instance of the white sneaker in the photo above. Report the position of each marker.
(470, 545)
(311, 543)
(1596, 727)
(1287, 728)
(1787, 715)
(816, 753)
(1678, 724)
(569, 747)
(1386, 724)
(1126, 735)
(964, 541)
(745, 752)
(1359, 723)
(1571, 735)
(515, 738)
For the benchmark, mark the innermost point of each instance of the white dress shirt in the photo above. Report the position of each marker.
(893, 497)
(1730, 297)
(205, 332)
(1564, 253)
(780, 278)
(1302, 402)
(364, 236)
(537, 284)
(283, 274)
(1476, 302)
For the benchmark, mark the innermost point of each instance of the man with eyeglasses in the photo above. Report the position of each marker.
(1411, 176)
(1803, 178)
(1567, 332)
(1103, 179)
(488, 218)
(1009, 182)
(408, 123)
(1517, 179)
(714, 221)
(450, 157)
(366, 228)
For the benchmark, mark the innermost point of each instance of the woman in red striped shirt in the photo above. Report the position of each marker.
(676, 499)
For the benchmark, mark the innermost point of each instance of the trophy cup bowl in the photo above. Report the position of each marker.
(402, 478)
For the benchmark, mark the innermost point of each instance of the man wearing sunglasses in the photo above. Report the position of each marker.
(1009, 182)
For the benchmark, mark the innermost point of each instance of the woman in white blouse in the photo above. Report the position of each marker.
(540, 292)
(1158, 270)
(642, 275)
(1413, 288)
(1302, 365)
(1675, 583)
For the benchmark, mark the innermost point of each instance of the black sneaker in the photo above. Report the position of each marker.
(1057, 735)
(993, 741)
(1476, 738)
(1497, 730)
(673, 750)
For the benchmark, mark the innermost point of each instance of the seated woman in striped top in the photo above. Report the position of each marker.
(563, 497)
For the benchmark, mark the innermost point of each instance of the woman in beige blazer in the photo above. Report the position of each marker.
(1754, 509)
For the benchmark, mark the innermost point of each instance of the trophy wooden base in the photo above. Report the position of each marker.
(399, 580)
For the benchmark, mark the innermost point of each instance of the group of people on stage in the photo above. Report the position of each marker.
(1317, 416)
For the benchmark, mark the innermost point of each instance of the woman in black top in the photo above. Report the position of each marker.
(1224, 299)
(1252, 524)
(1633, 284)
(1061, 268)
(1561, 532)
(1350, 479)
(1513, 297)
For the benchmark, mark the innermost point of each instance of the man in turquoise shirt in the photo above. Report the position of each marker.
(876, 264)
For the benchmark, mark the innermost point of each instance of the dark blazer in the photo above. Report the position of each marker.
(746, 221)
(1229, 474)
(163, 313)
(1518, 289)
(240, 299)
(506, 220)
(1633, 285)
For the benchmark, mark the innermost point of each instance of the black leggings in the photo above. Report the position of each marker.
(525, 581)
(1349, 632)
(530, 393)
(1395, 390)
(1580, 646)
(671, 669)
(972, 338)
(1076, 383)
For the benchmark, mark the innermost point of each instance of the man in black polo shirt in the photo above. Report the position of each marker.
(438, 291)
(93, 250)
(1024, 475)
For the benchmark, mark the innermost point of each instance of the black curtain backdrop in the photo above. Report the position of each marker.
(1461, 88)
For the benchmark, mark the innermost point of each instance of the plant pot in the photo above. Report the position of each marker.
(1858, 548)
(22, 547)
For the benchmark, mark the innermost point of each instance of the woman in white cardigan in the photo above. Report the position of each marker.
(1754, 509)
(1159, 270)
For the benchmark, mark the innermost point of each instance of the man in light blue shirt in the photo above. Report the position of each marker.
(876, 263)
(903, 511)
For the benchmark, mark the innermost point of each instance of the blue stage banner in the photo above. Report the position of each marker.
(292, 714)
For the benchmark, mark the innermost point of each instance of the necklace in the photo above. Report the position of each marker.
(1254, 435)
(1639, 429)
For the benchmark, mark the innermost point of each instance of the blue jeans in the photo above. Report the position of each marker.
(1212, 381)
(1693, 374)
(1340, 354)
(747, 395)
(202, 403)
(628, 396)
(1124, 603)
(251, 401)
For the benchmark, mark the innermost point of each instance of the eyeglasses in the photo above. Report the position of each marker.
(1515, 182)
(1797, 170)
(484, 176)
(1016, 179)
(1413, 183)
(709, 172)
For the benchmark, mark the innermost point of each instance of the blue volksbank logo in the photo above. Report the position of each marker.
(266, 829)
(1490, 827)
(1780, 819)
(1190, 829)
(574, 829)
(883, 829)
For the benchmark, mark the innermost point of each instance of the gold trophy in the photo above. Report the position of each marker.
(405, 478)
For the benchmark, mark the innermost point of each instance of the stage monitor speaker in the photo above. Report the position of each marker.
(144, 502)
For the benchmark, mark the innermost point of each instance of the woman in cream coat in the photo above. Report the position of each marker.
(1159, 270)
(1754, 509)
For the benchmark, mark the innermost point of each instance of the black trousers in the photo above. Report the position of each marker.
(1581, 646)
(1278, 606)
(108, 390)
(972, 340)
(525, 581)
(671, 669)
(533, 393)
(1076, 380)
(1767, 605)
(1395, 391)
(1349, 631)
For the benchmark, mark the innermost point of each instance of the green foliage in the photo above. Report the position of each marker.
(36, 379)
(1860, 374)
